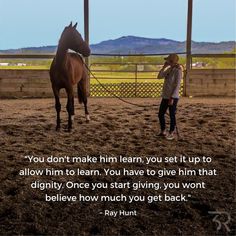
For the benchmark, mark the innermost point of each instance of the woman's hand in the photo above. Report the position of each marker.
(166, 64)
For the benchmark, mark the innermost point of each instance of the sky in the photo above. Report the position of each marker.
(26, 23)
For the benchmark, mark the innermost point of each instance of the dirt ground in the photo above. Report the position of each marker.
(27, 126)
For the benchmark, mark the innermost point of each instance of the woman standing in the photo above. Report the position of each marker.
(172, 73)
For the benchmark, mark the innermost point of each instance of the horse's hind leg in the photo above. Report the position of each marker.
(70, 107)
(58, 107)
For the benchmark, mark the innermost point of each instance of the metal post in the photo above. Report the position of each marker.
(188, 45)
(86, 34)
(86, 21)
(136, 79)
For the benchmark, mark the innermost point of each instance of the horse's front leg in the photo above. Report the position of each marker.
(70, 109)
(58, 109)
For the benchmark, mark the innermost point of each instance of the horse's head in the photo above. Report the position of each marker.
(72, 39)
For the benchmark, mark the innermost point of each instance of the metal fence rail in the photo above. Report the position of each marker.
(120, 79)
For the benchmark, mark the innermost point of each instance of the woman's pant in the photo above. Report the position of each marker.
(172, 110)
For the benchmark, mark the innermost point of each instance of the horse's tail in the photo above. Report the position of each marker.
(82, 87)
(80, 93)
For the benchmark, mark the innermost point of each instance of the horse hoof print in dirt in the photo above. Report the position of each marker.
(68, 69)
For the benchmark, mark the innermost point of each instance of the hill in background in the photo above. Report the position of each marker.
(140, 45)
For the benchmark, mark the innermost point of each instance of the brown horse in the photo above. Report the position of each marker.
(68, 69)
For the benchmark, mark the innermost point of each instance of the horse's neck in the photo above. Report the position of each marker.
(61, 55)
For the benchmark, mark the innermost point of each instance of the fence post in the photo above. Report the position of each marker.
(86, 37)
(136, 79)
(188, 45)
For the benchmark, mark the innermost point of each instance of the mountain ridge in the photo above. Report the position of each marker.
(139, 45)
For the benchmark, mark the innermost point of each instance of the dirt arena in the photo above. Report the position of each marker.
(27, 126)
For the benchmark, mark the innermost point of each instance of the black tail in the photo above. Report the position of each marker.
(81, 93)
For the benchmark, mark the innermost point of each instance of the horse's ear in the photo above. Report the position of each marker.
(75, 25)
(70, 25)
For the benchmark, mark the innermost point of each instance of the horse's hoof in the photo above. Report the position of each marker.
(87, 118)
